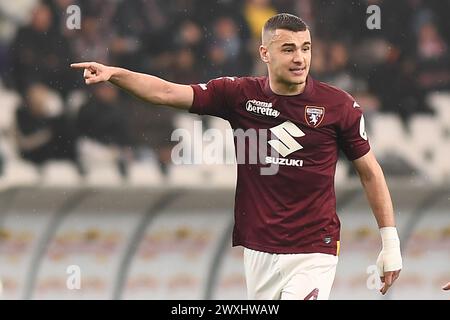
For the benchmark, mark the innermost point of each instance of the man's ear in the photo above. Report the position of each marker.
(264, 53)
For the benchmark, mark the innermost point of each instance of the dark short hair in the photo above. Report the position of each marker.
(285, 21)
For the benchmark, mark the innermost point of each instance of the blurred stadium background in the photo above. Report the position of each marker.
(86, 174)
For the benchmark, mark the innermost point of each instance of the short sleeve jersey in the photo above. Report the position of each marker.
(294, 210)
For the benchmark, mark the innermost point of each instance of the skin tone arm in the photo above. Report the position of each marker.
(146, 87)
(374, 183)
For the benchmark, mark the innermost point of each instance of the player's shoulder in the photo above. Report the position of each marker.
(252, 84)
(341, 97)
(244, 84)
(247, 81)
(241, 80)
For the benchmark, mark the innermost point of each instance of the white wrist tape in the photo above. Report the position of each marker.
(390, 258)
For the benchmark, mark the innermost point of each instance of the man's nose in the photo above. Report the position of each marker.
(298, 57)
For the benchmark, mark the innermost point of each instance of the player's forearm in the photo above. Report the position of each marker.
(149, 88)
(146, 87)
(389, 262)
(378, 196)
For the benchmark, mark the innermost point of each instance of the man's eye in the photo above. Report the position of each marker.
(306, 49)
(288, 50)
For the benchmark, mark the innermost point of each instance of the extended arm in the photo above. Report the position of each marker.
(146, 87)
(372, 178)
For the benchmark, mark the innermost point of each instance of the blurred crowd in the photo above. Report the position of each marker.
(191, 41)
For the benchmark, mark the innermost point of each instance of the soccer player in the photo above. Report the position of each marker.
(286, 222)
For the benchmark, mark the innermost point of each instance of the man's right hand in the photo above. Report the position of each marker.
(94, 72)
(389, 260)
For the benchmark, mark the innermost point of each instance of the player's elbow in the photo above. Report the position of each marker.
(165, 96)
(160, 97)
(177, 96)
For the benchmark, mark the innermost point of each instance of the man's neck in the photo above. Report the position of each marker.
(286, 89)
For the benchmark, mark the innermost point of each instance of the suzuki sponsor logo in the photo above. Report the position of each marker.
(286, 144)
(284, 162)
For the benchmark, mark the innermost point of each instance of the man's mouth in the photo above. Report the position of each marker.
(298, 71)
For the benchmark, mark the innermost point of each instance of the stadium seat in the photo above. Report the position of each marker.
(10, 101)
(424, 140)
(54, 103)
(92, 152)
(440, 103)
(426, 131)
(387, 134)
(222, 175)
(19, 173)
(75, 100)
(187, 175)
(100, 163)
(60, 173)
(19, 11)
(144, 173)
(441, 163)
(103, 175)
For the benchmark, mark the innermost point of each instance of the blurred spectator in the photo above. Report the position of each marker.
(58, 9)
(3, 59)
(331, 64)
(151, 128)
(370, 105)
(140, 28)
(189, 35)
(185, 68)
(226, 54)
(43, 133)
(93, 43)
(103, 11)
(226, 35)
(39, 54)
(433, 70)
(257, 12)
(337, 67)
(318, 64)
(430, 44)
(104, 117)
(393, 79)
(188, 41)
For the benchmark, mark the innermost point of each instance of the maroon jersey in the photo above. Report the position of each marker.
(293, 211)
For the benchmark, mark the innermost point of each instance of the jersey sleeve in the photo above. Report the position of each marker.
(353, 138)
(214, 98)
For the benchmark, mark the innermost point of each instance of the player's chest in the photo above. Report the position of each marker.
(314, 123)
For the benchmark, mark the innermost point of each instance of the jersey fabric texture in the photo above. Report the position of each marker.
(294, 210)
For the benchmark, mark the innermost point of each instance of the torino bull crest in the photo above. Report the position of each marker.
(314, 115)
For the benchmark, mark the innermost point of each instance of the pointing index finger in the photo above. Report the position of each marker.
(385, 288)
(388, 277)
(81, 65)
